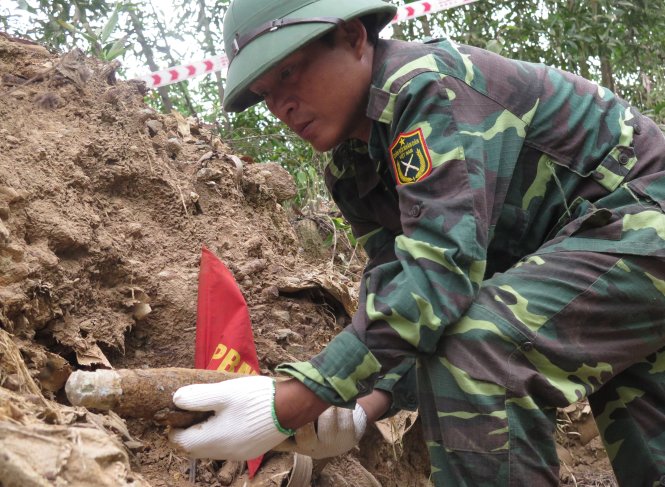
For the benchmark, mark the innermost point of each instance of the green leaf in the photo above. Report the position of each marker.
(117, 49)
(110, 25)
(23, 5)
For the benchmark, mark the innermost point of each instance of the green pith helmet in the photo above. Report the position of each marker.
(258, 34)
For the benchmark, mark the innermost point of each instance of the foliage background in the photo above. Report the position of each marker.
(620, 44)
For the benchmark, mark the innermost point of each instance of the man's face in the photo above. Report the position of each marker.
(320, 91)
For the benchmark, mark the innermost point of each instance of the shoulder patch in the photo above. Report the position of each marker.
(410, 157)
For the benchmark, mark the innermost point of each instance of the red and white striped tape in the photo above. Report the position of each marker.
(187, 71)
(426, 7)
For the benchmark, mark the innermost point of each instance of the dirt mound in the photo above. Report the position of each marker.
(104, 208)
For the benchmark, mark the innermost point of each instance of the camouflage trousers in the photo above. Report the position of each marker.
(561, 325)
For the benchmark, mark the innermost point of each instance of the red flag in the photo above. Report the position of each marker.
(224, 339)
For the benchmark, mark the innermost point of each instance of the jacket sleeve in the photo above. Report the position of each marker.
(446, 215)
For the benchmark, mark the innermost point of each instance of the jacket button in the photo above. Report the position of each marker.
(527, 346)
(414, 211)
(597, 175)
(623, 159)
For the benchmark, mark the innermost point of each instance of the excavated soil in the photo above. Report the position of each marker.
(105, 206)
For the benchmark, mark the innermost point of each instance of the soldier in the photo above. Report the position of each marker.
(513, 218)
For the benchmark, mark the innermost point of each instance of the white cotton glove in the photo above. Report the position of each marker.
(337, 431)
(243, 425)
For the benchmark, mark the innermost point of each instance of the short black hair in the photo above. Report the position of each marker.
(372, 28)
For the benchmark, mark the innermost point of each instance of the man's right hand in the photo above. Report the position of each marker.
(335, 432)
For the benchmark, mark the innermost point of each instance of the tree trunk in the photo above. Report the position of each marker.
(147, 52)
(398, 32)
(182, 87)
(427, 28)
(210, 48)
(606, 72)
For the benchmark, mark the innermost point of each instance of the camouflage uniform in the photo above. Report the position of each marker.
(514, 219)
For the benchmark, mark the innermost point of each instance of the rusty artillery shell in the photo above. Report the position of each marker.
(141, 393)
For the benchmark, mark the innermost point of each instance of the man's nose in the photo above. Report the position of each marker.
(283, 106)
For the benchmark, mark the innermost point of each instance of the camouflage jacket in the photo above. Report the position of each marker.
(474, 162)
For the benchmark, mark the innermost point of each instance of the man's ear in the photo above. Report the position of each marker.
(354, 35)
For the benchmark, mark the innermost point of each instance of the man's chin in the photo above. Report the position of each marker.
(321, 148)
(320, 145)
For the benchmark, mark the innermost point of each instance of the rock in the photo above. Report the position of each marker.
(19, 94)
(141, 310)
(146, 114)
(173, 147)
(11, 272)
(10, 195)
(285, 334)
(255, 247)
(12, 140)
(208, 174)
(273, 178)
(154, 127)
(66, 239)
(588, 429)
(49, 101)
(282, 315)
(43, 255)
(271, 292)
(565, 456)
(4, 234)
(113, 95)
(4, 212)
(167, 275)
(205, 157)
(134, 445)
(15, 251)
(135, 230)
(229, 471)
(310, 238)
(53, 373)
(253, 267)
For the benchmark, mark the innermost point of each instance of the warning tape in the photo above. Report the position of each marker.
(426, 7)
(187, 71)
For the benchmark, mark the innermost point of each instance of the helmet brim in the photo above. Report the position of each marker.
(268, 50)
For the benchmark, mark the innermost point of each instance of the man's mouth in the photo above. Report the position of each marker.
(303, 129)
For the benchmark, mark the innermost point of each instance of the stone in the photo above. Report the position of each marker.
(173, 147)
(4, 234)
(154, 127)
(208, 174)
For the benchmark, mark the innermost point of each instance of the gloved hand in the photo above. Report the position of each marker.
(244, 425)
(337, 431)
